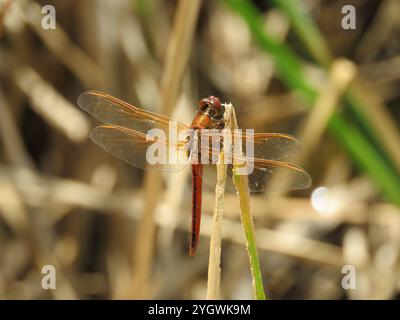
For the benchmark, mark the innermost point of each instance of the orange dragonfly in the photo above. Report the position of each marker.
(125, 135)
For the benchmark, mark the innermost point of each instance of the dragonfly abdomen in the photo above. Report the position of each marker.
(197, 171)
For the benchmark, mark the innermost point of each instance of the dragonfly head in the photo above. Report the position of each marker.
(213, 107)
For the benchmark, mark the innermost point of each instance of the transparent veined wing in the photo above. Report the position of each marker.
(273, 146)
(140, 150)
(263, 175)
(113, 111)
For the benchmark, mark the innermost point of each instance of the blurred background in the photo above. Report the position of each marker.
(114, 231)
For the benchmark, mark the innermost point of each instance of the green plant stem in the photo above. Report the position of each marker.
(289, 68)
(315, 43)
(307, 31)
(242, 187)
(241, 184)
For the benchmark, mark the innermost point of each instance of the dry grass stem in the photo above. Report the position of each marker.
(214, 262)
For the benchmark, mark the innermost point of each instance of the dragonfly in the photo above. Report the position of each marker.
(125, 134)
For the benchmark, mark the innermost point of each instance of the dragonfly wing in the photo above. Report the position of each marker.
(113, 111)
(271, 175)
(263, 175)
(139, 150)
(273, 146)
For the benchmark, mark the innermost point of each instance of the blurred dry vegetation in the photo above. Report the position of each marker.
(113, 231)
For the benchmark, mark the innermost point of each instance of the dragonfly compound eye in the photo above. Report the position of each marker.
(216, 109)
(203, 104)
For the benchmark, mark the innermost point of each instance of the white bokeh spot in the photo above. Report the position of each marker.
(325, 201)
